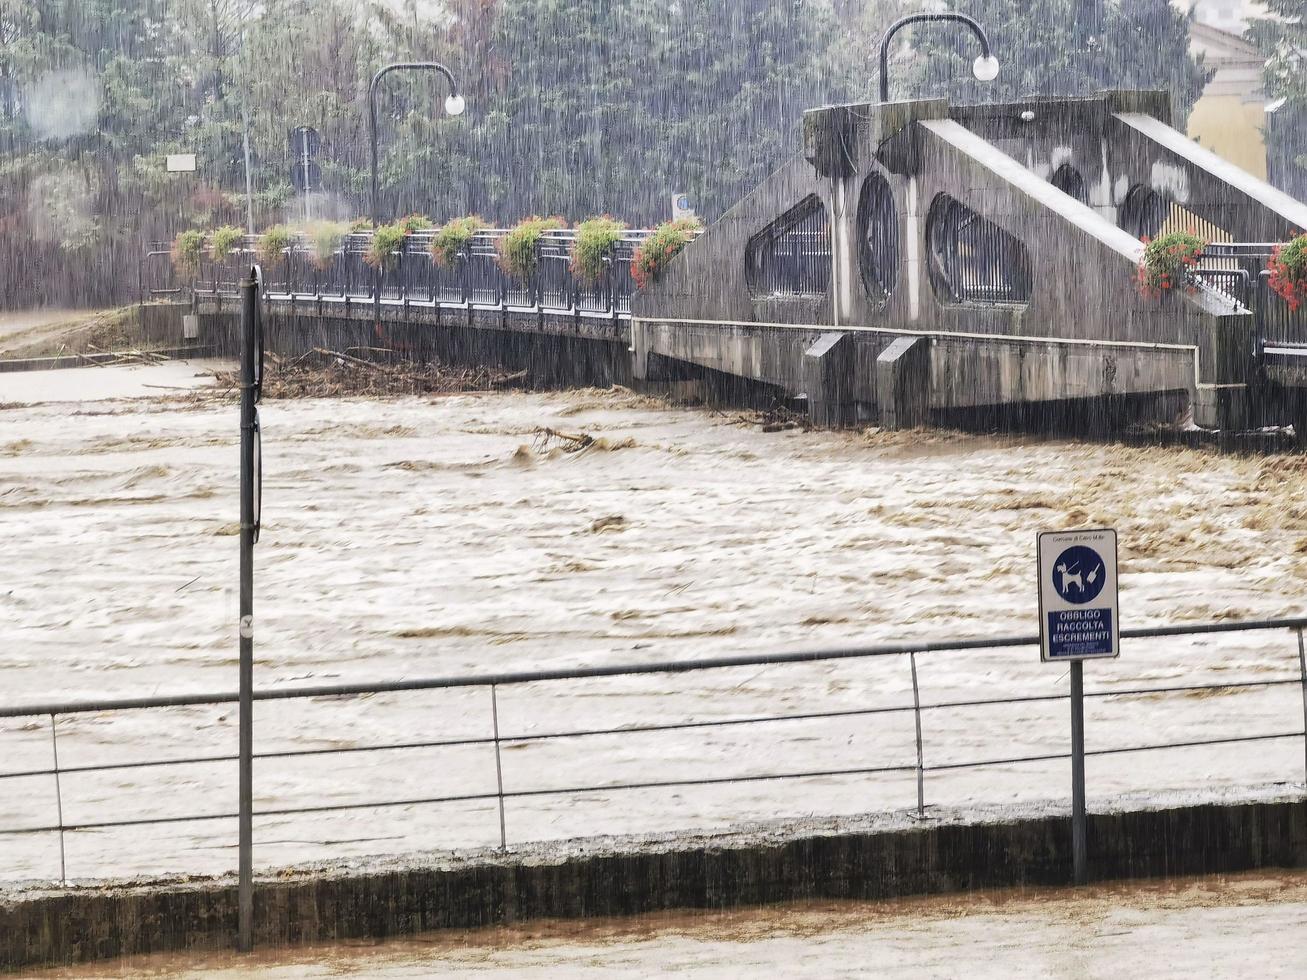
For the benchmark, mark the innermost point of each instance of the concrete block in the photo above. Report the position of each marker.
(903, 383)
(828, 380)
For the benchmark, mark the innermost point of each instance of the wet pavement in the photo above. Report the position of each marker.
(1247, 925)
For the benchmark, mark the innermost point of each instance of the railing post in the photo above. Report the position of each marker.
(916, 712)
(245, 737)
(499, 768)
(1302, 673)
(1079, 857)
(59, 801)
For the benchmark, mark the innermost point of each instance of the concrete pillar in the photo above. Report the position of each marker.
(903, 383)
(1226, 362)
(828, 380)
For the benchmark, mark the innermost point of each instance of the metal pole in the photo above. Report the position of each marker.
(59, 801)
(1302, 667)
(245, 141)
(1079, 857)
(304, 159)
(917, 18)
(916, 711)
(245, 897)
(372, 143)
(499, 768)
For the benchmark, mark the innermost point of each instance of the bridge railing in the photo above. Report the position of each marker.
(866, 714)
(474, 280)
(1238, 270)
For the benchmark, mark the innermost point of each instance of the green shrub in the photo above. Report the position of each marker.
(224, 241)
(453, 237)
(273, 244)
(663, 245)
(359, 225)
(187, 248)
(326, 237)
(1166, 262)
(517, 249)
(594, 242)
(415, 222)
(386, 243)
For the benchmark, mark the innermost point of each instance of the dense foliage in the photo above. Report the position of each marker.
(1288, 267)
(517, 248)
(585, 107)
(1167, 261)
(453, 238)
(1282, 39)
(187, 248)
(595, 238)
(387, 242)
(326, 238)
(663, 245)
(273, 244)
(1058, 47)
(224, 241)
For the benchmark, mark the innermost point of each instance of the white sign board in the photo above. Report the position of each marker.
(1078, 609)
(681, 207)
(181, 163)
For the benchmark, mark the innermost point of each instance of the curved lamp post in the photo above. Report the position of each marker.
(985, 67)
(454, 105)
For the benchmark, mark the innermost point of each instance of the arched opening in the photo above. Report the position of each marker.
(1068, 180)
(878, 231)
(973, 260)
(792, 255)
(1143, 212)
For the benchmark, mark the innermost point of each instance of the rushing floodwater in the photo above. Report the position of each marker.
(423, 537)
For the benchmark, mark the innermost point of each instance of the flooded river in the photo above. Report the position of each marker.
(418, 537)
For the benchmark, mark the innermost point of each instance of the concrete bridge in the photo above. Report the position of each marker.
(917, 262)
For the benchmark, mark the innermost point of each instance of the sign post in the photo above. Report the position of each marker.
(1079, 620)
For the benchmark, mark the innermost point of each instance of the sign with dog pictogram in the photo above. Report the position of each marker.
(1078, 610)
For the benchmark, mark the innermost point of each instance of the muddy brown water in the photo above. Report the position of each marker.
(1220, 926)
(439, 536)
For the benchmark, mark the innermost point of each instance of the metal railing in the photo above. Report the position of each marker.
(1238, 270)
(474, 280)
(496, 738)
(792, 255)
(973, 259)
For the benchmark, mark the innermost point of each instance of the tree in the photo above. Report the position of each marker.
(1050, 47)
(1282, 39)
(613, 105)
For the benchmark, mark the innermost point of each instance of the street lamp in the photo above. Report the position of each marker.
(985, 67)
(454, 105)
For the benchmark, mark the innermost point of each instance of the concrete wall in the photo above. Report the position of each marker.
(554, 350)
(86, 924)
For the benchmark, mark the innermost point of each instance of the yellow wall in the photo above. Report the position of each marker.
(1231, 128)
